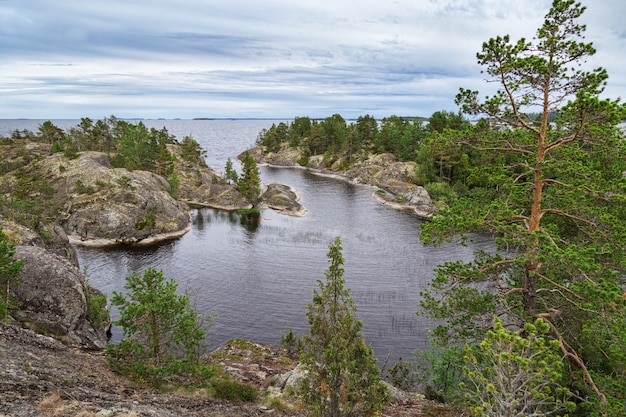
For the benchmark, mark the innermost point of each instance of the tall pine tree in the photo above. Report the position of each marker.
(249, 183)
(343, 378)
(551, 193)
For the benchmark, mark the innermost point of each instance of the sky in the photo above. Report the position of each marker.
(266, 58)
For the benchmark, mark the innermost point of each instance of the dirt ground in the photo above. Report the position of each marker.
(40, 376)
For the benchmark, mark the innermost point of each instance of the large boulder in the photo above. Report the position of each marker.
(51, 237)
(99, 202)
(283, 199)
(52, 297)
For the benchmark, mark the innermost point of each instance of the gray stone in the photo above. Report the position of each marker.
(282, 198)
(52, 296)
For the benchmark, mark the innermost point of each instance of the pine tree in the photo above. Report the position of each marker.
(9, 269)
(343, 378)
(162, 329)
(553, 192)
(249, 183)
(230, 175)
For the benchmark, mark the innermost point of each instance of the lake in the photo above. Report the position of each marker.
(258, 280)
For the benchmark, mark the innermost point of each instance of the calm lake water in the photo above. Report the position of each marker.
(258, 281)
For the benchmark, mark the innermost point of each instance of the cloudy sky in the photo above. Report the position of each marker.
(265, 58)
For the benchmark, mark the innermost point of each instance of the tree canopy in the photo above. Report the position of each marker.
(552, 193)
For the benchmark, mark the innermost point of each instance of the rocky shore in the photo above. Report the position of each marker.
(389, 178)
(99, 205)
(41, 376)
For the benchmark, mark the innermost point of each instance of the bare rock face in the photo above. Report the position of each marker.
(283, 199)
(54, 239)
(52, 296)
(101, 202)
(57, 242)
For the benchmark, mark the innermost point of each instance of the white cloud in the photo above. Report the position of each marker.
(275, 58)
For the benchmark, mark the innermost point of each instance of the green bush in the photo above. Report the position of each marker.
(234, 391)
(164, 334)
(291, 342)
(515, 374)
(439, 371)
(441, 191)
(8, 271)
(97, 311)
(82, 188)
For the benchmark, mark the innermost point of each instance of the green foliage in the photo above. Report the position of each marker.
(52, 134)
(604, 341)
(249, 183)
(97, 309)
(440, 370)
(149, 220)
(339, 140)
(141, 148)
(343, 378)
(441, 192)
(192, 152)
(402, 375)
(443, 120)
(551, 194)
(291, 342)
(516, 374)
(230, 174)
(9, 268)
(125, 183)
(27, 199)
(81, 188)
(163, 332)
(97, 312)
(234, 391)
(174, 181)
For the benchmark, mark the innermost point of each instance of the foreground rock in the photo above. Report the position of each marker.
(391, 177)
(52, 295)
(40, 376)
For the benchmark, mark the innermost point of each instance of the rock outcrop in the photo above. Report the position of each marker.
(283, 199)
(52, 297)
(201, 185)
(99, 202)
(52, 293)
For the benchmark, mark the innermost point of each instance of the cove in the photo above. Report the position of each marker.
(258, 279)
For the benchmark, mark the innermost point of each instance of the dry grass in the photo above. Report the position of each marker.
(52, 405)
